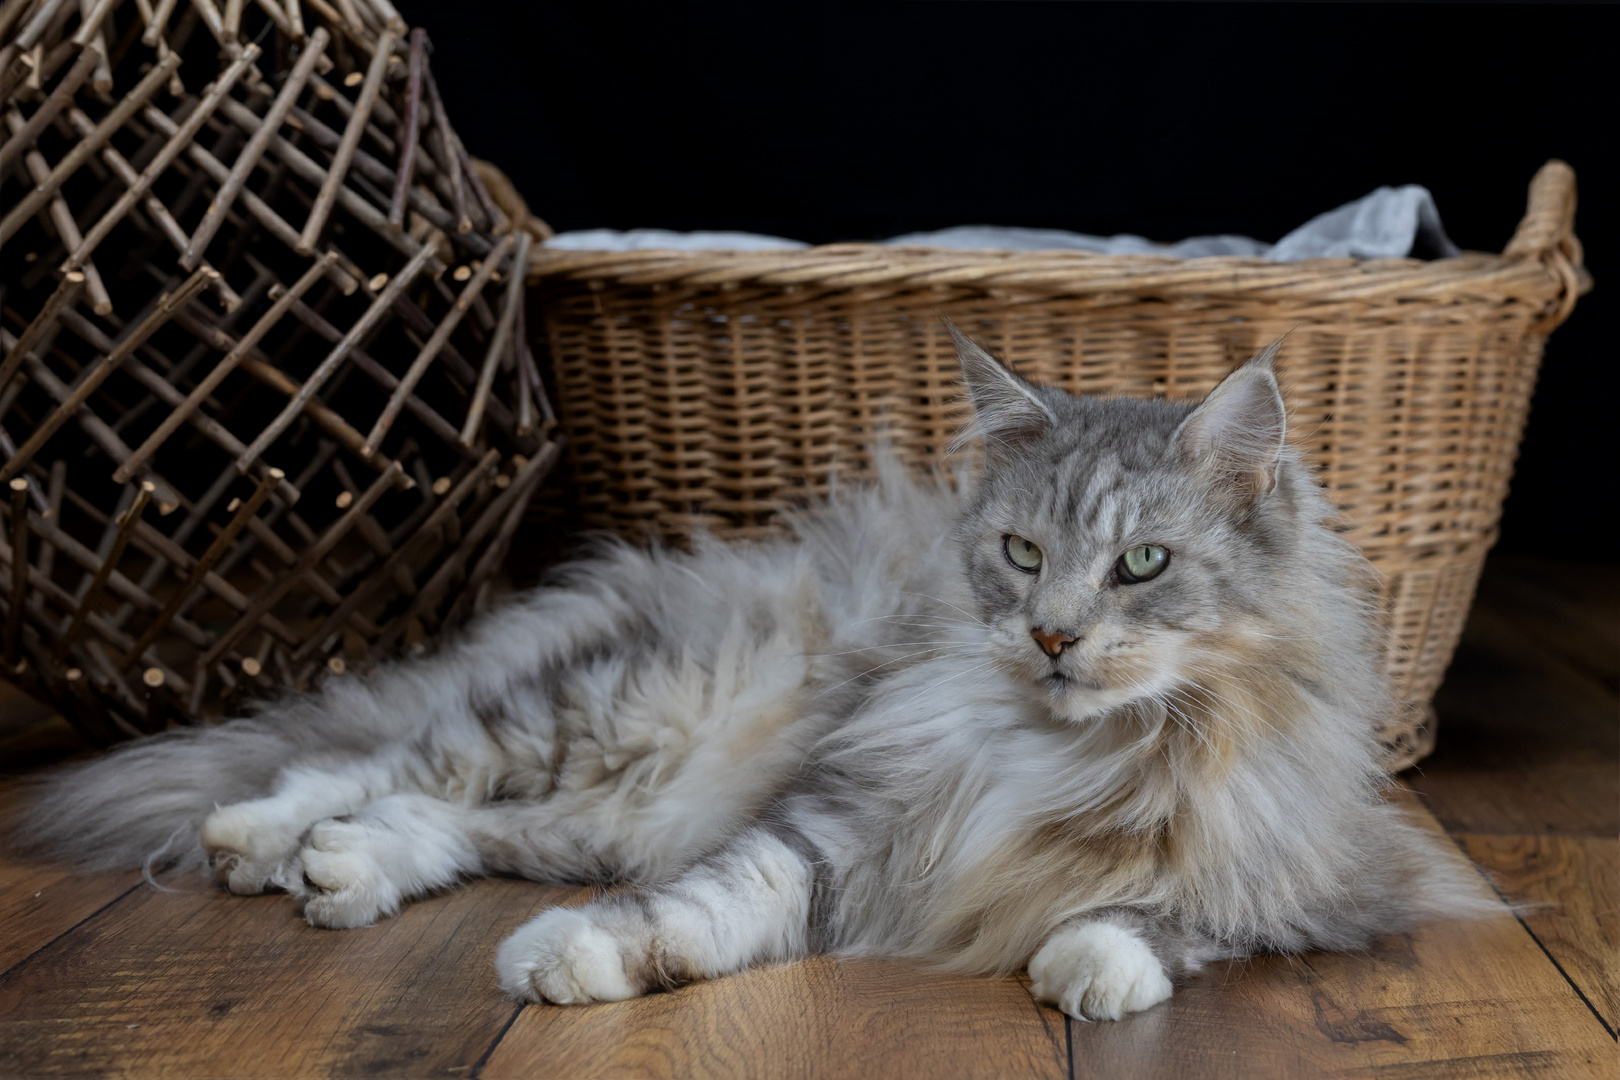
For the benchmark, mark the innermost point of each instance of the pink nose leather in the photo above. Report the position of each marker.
(1051, 641)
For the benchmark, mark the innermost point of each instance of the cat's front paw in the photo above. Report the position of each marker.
(345, 883)
(562, 956)
(1098, 971)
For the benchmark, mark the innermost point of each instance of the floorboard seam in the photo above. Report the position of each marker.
(1068, 1041)
(1040, 1014)
(7, 973)
(478, 1066)
(1573, 985)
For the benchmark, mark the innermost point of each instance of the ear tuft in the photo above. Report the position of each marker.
(1008, 411)
(1236, 435)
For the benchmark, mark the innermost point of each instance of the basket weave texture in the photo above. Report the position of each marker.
(714, 389)
(267, 413)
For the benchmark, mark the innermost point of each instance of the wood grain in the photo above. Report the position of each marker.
(1455, 998)
(1451, 999)
(1572, 610)
(203, 984)
(819, 1018)
(1528, 741)
(19, 712)
(225, 986)
(39, 902)
(1572, 887)
(40, 745)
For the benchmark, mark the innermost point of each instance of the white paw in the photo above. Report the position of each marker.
(345, 884)
(561, 956)
(248, 852)
(1098, 971)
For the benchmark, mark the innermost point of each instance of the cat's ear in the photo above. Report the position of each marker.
(1236, 435)
(1007, 410)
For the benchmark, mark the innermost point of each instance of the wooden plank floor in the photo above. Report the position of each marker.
(102, 975)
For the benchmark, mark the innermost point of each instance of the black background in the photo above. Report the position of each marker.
(841, 121)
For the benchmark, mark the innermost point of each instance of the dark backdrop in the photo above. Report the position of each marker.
(849, 121)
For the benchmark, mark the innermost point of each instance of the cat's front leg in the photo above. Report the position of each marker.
(749, 903)
(1099, 968)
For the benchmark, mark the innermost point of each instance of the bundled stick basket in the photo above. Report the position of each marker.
(267, 414)
(713, 389)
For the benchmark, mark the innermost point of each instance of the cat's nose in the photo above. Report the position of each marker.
(1052, 642)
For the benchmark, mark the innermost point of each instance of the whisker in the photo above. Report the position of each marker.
(947, 603)
(900, 645)
(865, 673)
(966, 671)
(944, 619)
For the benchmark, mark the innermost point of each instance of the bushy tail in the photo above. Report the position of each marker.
(143, 803)
(1444, 883)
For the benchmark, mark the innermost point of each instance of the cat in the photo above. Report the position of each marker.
(1106, 711)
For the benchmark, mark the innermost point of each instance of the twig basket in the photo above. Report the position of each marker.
(267, 414)
(713, 389)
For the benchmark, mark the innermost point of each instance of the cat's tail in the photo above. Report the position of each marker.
(143, 803)
(1434, 878)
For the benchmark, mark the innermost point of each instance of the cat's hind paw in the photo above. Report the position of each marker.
(562, 956)
(1098, 971)
(248, 854)
(345, 885)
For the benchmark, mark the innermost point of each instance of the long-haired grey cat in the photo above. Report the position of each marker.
(1108, 711)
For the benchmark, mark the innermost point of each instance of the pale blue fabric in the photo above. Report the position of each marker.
(1388, 223)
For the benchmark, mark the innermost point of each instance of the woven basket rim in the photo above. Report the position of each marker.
(1542, 261)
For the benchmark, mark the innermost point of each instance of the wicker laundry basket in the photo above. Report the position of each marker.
(715, 388)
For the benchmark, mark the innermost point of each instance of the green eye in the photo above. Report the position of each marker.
(1022, 554)
(1141, 563)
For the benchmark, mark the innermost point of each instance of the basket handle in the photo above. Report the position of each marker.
(1547, 233)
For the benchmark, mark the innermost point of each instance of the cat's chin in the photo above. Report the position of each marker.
(1076, 702)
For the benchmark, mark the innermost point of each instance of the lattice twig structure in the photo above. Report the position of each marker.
(267, 408)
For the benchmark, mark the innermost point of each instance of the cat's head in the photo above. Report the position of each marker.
(1117, 547)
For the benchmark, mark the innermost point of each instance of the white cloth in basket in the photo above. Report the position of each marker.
(1389, 223)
